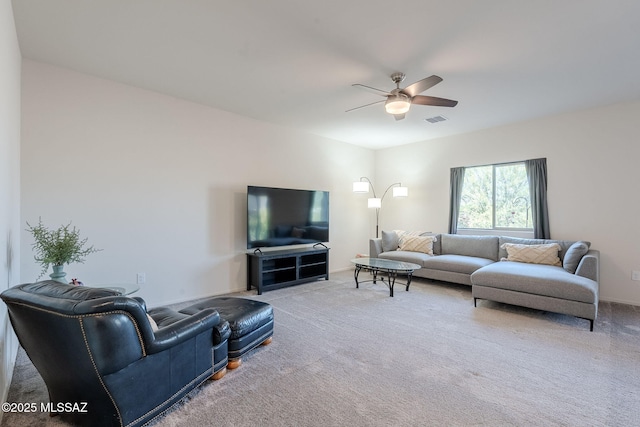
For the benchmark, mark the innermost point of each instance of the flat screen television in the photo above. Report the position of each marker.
(286, 217)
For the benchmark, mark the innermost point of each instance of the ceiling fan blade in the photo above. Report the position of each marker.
(432, 100)
(366, 105)
(372, 89)
(421, 85)
(398, 116)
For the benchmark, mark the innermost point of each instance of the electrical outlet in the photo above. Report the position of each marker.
(635, 275)
(141, 278)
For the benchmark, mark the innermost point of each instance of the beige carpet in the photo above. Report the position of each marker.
(356, 357)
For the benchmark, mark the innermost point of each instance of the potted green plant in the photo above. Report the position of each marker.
(58, 247)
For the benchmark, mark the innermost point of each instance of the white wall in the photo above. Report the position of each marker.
(593, 182)
(9, 184)
(160, 183)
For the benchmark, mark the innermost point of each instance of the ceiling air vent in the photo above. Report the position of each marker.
(436, 119)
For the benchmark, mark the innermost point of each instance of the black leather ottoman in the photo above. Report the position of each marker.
(250, 321)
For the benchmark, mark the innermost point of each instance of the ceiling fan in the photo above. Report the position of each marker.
(399, 100)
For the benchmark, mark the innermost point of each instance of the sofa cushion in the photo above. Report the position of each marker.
(406, 256)
(574, 255)
(537, 279)
(422, 244)
(474, 246)
(533, 254)
(456, 263)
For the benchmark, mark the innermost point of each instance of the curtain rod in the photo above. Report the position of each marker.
(501, 164)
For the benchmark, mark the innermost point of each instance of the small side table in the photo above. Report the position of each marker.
(123, 288)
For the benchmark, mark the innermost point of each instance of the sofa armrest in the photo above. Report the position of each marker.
(589, 266)
(375, 247)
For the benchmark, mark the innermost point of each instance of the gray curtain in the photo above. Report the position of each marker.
(455, 193)
(537, 176)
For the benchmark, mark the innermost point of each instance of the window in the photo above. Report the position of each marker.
(496, 197)
(258, 226)
(319, 214)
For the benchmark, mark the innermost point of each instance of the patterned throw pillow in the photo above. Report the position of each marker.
(533, 254)
(402, 233)
(391, 239)
(422, 244)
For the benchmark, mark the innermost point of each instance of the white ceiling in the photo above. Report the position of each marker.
(292, 62)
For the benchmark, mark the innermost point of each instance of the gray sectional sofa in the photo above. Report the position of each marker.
(569, 287)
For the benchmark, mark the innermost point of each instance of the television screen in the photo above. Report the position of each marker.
(283, 216)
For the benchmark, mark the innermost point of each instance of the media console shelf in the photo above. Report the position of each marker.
(287, 267)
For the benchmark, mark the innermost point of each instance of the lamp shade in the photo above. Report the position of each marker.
(397, 104)
(375, 203)
(361, 187)
(400, 191)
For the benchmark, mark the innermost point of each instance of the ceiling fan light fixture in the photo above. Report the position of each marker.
(397, 104)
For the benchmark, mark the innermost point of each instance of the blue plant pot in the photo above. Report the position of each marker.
(58, 275)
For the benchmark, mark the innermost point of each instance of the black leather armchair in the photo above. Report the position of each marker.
(95, 346)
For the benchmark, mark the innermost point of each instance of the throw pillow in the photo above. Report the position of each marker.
(402, 233)
(533, 254)
(422, 244)
(390, 241)
(574, 255)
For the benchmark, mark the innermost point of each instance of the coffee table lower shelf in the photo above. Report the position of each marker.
(390, 268)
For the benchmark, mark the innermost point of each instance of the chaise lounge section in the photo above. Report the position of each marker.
(524, 272)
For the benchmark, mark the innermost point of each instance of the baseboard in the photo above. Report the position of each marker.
(619, 301)
(339, 270)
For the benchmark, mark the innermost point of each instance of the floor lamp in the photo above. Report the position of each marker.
(365, 185)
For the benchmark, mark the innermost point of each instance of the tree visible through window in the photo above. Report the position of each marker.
(496, 197)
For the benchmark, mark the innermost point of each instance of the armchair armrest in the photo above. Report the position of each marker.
(589, 265)
(165, 337)
(142, 302)
(221, 332)
(375, 247)
(187, 328)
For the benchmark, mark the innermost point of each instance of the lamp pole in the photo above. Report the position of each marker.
(398, 184)
(376, 202)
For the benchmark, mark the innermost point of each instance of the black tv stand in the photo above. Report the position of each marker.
(286, 267)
